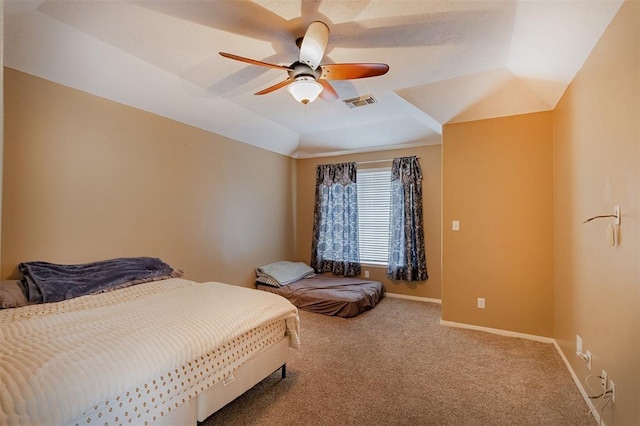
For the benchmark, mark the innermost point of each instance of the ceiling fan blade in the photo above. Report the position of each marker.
(275, 87)
(252, 61)
(352, 71)
(314, 44)
(329, 93)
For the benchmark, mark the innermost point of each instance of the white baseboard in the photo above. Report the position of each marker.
(416, 298)
(507, 333)
(583, 392)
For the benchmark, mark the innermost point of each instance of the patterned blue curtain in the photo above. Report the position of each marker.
(407, 260)
(335, 223)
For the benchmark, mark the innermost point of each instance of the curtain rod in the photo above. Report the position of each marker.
(376, 161)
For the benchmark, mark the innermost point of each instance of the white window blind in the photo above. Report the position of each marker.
(374, 191)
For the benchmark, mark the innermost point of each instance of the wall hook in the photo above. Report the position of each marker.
(616, 214)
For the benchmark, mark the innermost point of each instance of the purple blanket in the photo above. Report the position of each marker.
(49, 282)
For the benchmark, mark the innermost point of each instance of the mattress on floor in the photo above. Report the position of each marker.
(339, 296)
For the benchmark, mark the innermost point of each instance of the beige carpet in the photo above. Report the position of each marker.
(396, 365)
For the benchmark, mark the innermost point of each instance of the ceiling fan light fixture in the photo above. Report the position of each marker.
(305, 89)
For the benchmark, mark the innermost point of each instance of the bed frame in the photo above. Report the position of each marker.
(259, 367)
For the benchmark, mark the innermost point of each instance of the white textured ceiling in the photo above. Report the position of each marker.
(449, 61)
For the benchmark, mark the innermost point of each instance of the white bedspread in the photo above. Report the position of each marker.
(58, 359)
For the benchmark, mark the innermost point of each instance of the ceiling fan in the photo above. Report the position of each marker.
(307, 78)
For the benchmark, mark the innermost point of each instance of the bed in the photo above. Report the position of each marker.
(166, 351)
(328, 295)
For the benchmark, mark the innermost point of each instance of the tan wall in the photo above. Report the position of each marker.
(88, 179)
(497, 182)
(1, 119)
(597, 166)
(430, 162)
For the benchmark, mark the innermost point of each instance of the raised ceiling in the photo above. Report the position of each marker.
(449, 61)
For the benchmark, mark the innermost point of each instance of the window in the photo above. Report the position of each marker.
(374, 192)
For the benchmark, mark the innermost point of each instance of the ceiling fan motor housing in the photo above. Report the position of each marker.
(298, 69)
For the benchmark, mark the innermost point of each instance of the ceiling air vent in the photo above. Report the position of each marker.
(360, 101)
